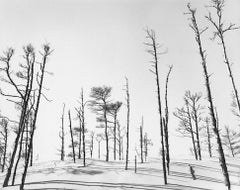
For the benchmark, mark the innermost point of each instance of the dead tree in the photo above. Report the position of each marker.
(121, 133)
(185, 124)
(220, 31)
(198, 32)
(113, 110)
(4, 133)
(141, 140)
(99, 105)
(196, 112)
(71, 133)
(230, 140)
(146, 142)
(128, 122)
(153, 50)
(24, 90)
(39, 79)
(166, 120)
(62, 135)
(79, 129)
(208, 135)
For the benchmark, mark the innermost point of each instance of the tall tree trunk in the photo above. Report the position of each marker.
(166, 121)
(80, 138)
(62, 135)
(128, 120)
(222, 160)
(154, 53)
(83, 129)
(191, 130)
(115, 136)
(47, 52)
(71, 133)
(106, 134)
(141, 140)
(18, 159)
(5, 148)
(209, 139)
(25, 101)
(197, 131)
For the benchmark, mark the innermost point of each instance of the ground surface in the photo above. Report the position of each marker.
(99, 175)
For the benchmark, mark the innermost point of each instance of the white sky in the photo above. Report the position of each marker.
(100, 42)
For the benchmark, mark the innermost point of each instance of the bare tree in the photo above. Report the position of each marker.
(146, 142)
(166, 120)
(79, 130)
(141, 140)
(196, 107)
(128, 122)
(230, 140)
(198, 32)
(185, 124)
(40, 79)
(71, 133)
(209, 135)
(99, 104)
(153, 50)
(91, 135)
(62, 135)
(113, 110)
(23, 92)
(4, 132)
(121, 133)
(220, 30)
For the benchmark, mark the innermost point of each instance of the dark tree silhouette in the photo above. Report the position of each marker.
(23, 93)
(99, 104)
(40, 79)
(114, 109)
(198, 32)
(166, 120)
(153, 50)
(62, 136)
(71, 133)
(220, 31)
(185, 124)
(231, 140)
(196, 112)
(128, 122)
(208, 135)
(4, 132)
(141, 140)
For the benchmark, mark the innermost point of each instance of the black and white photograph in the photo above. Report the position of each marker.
(119, 94)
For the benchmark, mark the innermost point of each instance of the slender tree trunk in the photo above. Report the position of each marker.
(5, 150)
(47, 52)
(18, 159)
(83, 129)
(21, 124)
(191, 130)
(99, 149)
(209, 139)
(106, 134)
(70, 126)
(115, 136)
(222, 160)
(197, 131)
(128, 120)
(141, 140)
(80, 139)
(166, 121)
(62, 135)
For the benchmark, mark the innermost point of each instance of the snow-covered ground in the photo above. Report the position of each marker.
(102, 175)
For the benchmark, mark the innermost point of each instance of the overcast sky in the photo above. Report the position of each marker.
(99, 42)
